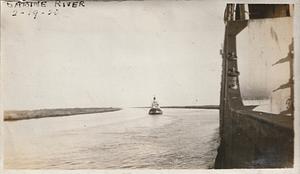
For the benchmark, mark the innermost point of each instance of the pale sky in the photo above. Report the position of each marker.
(113, 54)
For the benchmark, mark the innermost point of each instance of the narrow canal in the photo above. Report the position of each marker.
(130, 138)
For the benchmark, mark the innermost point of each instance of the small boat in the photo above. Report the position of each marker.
(155, 109)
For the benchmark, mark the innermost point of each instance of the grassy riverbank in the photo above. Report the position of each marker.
(41, 113)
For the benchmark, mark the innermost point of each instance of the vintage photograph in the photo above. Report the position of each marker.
(147, 85)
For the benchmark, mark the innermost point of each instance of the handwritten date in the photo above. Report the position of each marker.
(35, 13)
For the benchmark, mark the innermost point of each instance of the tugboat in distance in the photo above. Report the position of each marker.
(155, 109)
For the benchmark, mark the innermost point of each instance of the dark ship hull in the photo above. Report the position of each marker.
(155, 111)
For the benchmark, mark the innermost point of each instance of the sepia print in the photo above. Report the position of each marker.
(147, 85)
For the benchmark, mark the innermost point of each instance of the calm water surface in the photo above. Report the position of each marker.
(130, 138)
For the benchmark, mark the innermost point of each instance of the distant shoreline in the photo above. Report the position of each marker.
(189, 107)
(15, 115)
(193, 107)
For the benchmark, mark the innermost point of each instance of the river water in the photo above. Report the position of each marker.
(130, 138)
